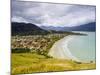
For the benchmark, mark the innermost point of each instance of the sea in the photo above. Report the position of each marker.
(83, 47)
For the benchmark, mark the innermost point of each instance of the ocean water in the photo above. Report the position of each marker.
(75, 47)
(83, 47)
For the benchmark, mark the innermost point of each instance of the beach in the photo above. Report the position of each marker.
(60, 49)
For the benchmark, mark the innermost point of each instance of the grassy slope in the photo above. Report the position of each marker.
(32, 62)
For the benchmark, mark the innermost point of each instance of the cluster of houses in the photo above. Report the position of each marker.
(35, 43)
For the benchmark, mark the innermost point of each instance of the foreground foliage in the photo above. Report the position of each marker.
(32, 62)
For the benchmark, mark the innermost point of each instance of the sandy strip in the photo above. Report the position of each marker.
(60, 49)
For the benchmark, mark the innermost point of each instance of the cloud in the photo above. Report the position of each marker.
(48, 14)
(19, 19)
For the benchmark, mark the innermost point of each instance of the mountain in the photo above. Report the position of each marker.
(26, 29)
(84, 27)
(52, 28)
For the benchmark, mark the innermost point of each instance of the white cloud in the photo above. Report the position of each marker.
(52, 14)
(18, 19)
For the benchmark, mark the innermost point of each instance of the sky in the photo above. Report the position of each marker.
(52, 14)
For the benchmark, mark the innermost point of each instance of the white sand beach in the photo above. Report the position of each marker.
(60, 49)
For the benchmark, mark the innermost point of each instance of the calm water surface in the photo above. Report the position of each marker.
(83, 47)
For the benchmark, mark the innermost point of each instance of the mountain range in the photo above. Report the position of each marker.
(85, 27)
(32, 29)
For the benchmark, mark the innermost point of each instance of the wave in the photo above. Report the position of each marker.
(60, 49)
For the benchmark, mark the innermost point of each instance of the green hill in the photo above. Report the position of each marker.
(26, 29)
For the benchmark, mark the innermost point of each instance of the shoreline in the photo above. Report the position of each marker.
(60, 49)
(61, 53)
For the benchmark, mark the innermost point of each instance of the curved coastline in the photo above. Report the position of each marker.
(60, 49)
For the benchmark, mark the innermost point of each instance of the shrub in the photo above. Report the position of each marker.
(78, 62)
(20, 50)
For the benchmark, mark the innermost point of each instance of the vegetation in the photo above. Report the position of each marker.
(24, 29)
(20, 50)
(23, 63)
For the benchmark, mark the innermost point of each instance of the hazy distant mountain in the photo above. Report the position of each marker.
(26, 29)
(84, 27)
(52, 28)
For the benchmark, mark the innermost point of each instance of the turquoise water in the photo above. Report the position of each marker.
(83, 47)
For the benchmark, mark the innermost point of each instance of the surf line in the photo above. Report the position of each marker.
(60, 49)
